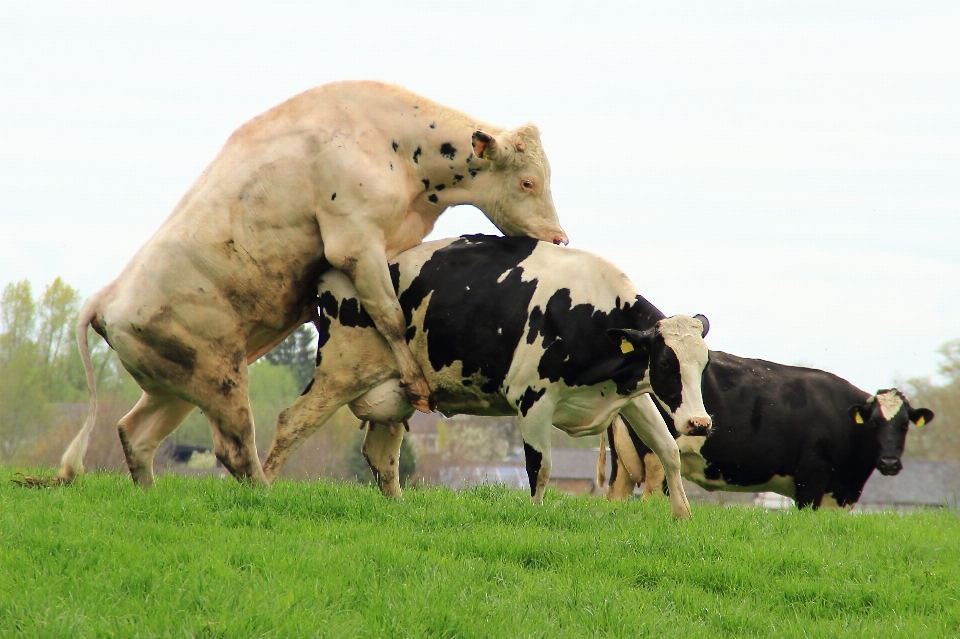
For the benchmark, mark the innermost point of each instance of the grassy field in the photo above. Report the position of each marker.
(211, 558)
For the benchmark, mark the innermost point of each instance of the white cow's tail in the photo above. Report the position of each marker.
(71, 464)
(602, 460)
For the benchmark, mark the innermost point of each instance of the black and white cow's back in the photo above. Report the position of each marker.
(796, 431)
(506, 326)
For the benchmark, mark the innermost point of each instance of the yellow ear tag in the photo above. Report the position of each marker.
(858, 418)
(625, 346)
(921, 422)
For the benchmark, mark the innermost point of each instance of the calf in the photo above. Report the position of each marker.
(799, 432)
(345, 175)
(506, 326)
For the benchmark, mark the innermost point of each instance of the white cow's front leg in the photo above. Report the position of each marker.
(364, 261)
(535, 427)
(645, 419)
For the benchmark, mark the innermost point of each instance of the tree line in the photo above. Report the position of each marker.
(43, 396)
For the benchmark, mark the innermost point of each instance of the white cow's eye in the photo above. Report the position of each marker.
(527, 184)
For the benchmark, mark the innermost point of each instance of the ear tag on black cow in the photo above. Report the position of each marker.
(858, 418)
(920, 422)
(625, 346)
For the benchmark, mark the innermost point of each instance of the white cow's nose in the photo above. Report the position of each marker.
(561, 239)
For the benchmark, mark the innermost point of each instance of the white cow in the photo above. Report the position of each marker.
(344, 175)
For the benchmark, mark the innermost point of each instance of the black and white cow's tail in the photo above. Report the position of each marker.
(71, 464)
(602, 460)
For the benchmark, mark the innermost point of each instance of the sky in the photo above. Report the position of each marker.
(790, 170)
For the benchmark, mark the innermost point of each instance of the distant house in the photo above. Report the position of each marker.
(921, 484)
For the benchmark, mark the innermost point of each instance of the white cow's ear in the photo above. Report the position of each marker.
(629, 340)
(486, 147)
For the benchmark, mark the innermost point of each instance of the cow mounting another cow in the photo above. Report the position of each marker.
(344, 175)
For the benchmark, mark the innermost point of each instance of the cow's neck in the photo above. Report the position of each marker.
(470, 181)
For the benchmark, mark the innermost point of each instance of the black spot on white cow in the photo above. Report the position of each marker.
(799, 432)
(507, 326)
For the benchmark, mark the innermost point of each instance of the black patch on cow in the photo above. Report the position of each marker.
(794, 395)
(577, 348)
(441, 187)
(352, 314)
(426, 183)
(307, 389)
(473, 172)
(395, 146)
(395, 277)
(226, 387)
(457, 178)
(665, 374)
(391, 166)
(529, 398)
(613, 455)
(472, 317)
(534, 460)
(467, 382)
(448, 151)
(433, 125)
(433, 198)
(333, 197)
(416, 156)
(411, 333)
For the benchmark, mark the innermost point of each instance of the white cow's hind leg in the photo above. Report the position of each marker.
(647, 423)
(142, 430)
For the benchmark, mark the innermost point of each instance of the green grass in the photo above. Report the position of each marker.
(211, 558)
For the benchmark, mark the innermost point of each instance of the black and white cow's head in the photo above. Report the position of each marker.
(887, 417)
(675, 355)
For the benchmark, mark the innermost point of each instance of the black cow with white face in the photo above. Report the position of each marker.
(799, 432)
(505, 326)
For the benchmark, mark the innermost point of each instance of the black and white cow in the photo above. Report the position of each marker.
(505, 326)
(799, 432)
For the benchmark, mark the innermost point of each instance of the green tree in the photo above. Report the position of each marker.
(299, 353)
(941, 438)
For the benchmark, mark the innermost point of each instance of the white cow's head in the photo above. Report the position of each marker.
(885, 418)
(677, 355)
(513, 176)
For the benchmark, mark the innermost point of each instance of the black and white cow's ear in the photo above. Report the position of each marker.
(486, 147)
(706, 323)
(921, 416)
(859, 413)
(629, 340)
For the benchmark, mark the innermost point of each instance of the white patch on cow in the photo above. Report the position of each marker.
(683, 334)
(589, 278)
(690, 444)
(890, 403)
(504, 276)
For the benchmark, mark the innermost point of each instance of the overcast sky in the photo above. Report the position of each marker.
(791, 170)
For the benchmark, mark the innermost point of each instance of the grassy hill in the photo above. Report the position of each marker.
(211, 558)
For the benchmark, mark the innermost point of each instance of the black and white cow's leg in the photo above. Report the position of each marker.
(381, 449)
(647, 423)
(535, 427)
